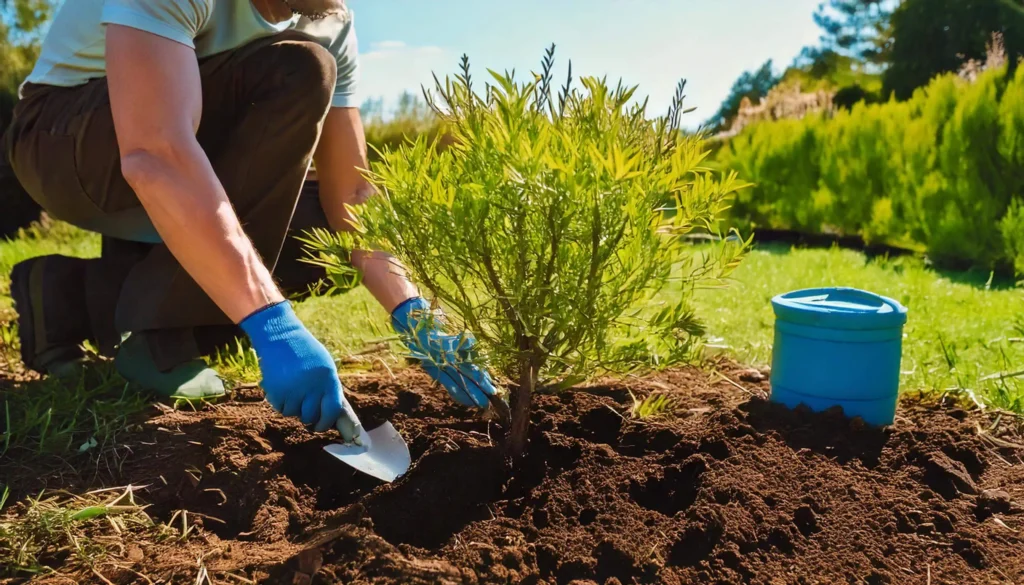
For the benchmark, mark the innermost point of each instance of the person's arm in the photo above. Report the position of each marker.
(156, 101)
(339, 157)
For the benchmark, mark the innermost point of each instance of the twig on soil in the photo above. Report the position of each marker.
(386, 366)
(202, 577)
(929, 574)
(239, 579)
(218, 491)
(985, 436)
(999, 522)
(992, 451)
(760, 394)
(148, 580)
(208, 517)
(125, 488)
(995, 424)
(102, 578)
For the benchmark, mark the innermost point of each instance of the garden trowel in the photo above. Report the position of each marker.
(382, 454)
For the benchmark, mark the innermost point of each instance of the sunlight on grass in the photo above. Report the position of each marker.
(962, 335)
(69, 530)
(349, 323)
(959, 335)
(78, 414)
(40, 239)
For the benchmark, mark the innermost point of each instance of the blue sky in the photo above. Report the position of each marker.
(649, 43)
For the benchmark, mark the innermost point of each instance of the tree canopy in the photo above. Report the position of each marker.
(751, 84)
(930, 37)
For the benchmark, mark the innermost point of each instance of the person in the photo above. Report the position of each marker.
(182, 131)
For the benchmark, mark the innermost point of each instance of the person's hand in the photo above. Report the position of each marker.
(299, 376)
(446, 358)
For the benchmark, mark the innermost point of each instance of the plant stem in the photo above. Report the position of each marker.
(521, 405)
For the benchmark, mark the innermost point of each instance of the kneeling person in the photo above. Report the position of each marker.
(182, 131)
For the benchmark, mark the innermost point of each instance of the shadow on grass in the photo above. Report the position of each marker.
(52, 422)
(890, 258)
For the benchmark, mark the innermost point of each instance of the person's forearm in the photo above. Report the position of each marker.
(191, 212)
(385, 278)
(339, 155)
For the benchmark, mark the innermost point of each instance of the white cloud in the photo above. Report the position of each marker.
(390, 68)
(388, 45)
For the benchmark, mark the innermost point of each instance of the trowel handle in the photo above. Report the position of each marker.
(349, 426)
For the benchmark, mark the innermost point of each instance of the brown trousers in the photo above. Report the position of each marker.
(263, 110)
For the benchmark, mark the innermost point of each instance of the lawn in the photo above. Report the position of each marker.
(964, 333)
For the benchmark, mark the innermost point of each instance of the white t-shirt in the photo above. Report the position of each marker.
(73, 51)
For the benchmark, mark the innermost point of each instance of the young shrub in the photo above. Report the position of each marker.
(552, 228)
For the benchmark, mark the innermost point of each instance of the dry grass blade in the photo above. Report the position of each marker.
(999, 522)
(996, 441)
(1002, 376)
(62, 528)
(719, 375)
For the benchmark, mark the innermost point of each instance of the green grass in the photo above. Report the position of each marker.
(60, 530)
(960, 334)
(40, 239)
(52, 416)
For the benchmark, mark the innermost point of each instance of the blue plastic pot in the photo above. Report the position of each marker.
(838, 347)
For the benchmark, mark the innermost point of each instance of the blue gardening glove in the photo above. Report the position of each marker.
(299, 375)
(446, 358)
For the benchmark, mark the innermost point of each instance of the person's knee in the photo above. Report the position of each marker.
(311, 70)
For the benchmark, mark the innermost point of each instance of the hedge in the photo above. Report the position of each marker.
(942, 172)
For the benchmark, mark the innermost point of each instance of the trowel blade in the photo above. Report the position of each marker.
(383, 454)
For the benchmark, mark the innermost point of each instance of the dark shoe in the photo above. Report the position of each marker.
(192, 380)
(49, 297)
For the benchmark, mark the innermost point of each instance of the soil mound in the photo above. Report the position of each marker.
(732, 489)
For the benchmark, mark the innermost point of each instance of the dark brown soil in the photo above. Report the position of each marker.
(731, 490)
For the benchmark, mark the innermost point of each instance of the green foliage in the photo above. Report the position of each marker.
(753, 85)
(237, 364)
(326, 250)
(932, 37)
(543, 229)
(782, 195)
(1012, 228)
(937, 172)
(855, 28)
(412, 117)
(57, 416)
(21, 25)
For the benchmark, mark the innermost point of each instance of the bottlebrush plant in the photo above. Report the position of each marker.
(552, 228)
